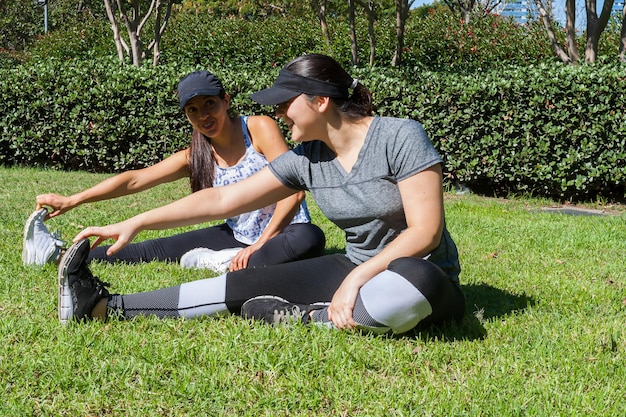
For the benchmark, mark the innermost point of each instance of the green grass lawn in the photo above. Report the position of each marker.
(543, 333)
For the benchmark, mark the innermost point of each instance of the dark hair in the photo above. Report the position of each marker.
(324, 68)
(201, 159)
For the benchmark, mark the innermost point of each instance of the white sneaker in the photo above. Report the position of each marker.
(40, 246)
(203, 258)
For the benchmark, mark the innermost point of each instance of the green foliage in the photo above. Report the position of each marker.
(98, 116)
(20, 23)
(247, 9)
(79, 40)
(550, 130)
(439, 41)
(194, 38)
(504, 116)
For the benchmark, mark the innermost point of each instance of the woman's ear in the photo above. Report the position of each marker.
(323, 103)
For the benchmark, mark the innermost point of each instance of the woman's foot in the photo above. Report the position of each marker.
(39, 245)
(79, 290)
(276, 310)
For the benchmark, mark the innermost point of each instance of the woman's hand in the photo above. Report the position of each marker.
(342, 305)
(123, 233)
(58, 203)
(241, 259)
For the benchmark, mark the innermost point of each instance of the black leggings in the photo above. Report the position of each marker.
(297, 241)
(410, 292)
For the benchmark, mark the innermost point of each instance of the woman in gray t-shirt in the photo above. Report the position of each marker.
(378, 179)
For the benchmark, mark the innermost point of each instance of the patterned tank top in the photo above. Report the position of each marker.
(249, 227)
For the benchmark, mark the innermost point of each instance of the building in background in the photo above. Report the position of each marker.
(522, 11)
(618, 8)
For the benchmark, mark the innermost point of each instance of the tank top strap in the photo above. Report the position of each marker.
(246, 133)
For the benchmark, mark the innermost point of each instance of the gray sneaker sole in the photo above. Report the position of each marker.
(66, 305)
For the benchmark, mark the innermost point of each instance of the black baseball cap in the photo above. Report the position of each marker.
(199, 83)
(289, 85)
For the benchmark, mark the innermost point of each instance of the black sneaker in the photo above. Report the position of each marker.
(79, 290)
(276, 310)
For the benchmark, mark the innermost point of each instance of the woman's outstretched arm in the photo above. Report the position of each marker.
(257, 191)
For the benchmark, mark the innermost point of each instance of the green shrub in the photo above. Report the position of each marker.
(97, 116)
(441, 42)
(86, 39)
(195, 38)
(503, 115)
(546, 130)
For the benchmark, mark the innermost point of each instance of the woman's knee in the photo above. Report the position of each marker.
(306, 239)
(444, 295)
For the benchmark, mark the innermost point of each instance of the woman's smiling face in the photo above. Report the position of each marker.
(207, 113)
(301, 117)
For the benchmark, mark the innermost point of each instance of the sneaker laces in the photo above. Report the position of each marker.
(57, 237)
(93, 281)
(98, 283)
(289, 314)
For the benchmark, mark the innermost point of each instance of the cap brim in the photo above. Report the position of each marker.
(199, 92)
(273, 96)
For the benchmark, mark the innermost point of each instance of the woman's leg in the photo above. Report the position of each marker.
(411, 291)
(171, 248)
(306, 281)
(297, 241)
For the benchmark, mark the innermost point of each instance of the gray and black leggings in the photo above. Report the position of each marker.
(410, 292)
(296, 241)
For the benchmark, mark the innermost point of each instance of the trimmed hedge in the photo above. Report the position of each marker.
(548, 130)
(89, 115)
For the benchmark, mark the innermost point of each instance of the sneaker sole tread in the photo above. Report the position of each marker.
(65, 303)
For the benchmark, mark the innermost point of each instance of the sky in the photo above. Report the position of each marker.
(418, 3)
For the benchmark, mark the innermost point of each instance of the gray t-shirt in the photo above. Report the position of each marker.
(366, 202)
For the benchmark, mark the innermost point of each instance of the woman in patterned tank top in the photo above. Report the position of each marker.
(224, 148)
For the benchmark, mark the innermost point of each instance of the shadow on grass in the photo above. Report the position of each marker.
(482, 303)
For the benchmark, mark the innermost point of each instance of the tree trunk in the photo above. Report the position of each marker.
(132, 28)
(119, 42)
(462, 7)
(320, 8)
(154, 45)
(371, 17)
(135, 21)
(595, 27)
(622, 43)
(465, 15)
(547, 24)
(402, 9)
(159, 29)
(353, 39)
(570, 30)
(135, 48)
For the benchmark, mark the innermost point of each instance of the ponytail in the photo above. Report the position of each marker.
(324, 68)
(201, 162)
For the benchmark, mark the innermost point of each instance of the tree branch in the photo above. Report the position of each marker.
(547, 23)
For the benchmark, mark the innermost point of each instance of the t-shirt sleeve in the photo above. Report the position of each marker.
(288, 168)
(412, 151)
